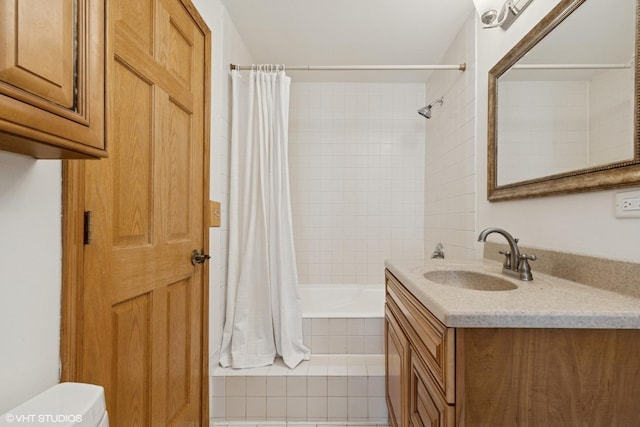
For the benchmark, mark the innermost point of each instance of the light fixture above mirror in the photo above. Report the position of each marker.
(499, 13)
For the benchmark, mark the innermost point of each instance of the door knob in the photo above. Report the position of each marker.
(199, 257)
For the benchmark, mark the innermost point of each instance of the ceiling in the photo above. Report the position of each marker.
(349, 32)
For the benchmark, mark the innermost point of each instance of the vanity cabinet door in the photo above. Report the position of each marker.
(427, 335)
(427, 405)
(52, 78)
(396, 366)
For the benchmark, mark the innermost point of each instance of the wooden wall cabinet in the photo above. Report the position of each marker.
(506, 377)
(52, 103)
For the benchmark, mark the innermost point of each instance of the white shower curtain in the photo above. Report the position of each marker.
(263, 317)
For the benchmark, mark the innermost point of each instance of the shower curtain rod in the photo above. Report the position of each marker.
(460, 67)
(571, 66)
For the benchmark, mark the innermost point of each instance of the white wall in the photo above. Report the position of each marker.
(611, 117)
(450, 152)
(30, 276)
(581, 223)
(356, 155)
(227, 47)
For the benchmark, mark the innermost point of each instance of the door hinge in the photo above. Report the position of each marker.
(88, 227)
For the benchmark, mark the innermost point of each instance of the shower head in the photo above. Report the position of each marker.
(426, 111)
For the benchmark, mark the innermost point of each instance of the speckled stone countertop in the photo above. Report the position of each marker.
(545, 302)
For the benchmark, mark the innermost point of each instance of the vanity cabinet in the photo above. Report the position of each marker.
(425, 362)
(505, 377)
(52, 78)
(396, 368)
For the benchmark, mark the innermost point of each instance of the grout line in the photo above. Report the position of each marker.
(325, 365)
(258, 423)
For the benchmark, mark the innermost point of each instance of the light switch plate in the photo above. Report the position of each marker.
(628, 204)
(214, 214)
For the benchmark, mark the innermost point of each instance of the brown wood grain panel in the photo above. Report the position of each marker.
(427, 404)
(133, 159)
(427, 334)
(396, 368)
(426, 412)
(161, 272)
(179, 349)
(39, 49)
(45, 110)
(130, 54)
(149, 272)
(179, 35)
(139, 18)
(132, 362)
(72, 268)
(56, 148)
(180, 55)
(549, 377)
(179, 164)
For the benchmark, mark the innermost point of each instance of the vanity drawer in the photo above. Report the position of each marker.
(427, 404)
(432, 339)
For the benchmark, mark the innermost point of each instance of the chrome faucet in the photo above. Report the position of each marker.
(515, 264)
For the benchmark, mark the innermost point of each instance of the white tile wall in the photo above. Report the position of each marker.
(356, 160)
(340, 388)
(543, 124)
(344, 335)
(450, 185)
(559, 126)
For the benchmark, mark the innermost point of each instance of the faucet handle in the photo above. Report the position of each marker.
(526, 257)
(524, 267)
(507, 259)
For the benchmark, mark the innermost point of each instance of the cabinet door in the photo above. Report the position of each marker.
(397, 363)
(428, 336)
(427, 405)
(52, 78)
(41, 58)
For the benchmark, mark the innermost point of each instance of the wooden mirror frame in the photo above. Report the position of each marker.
(613, 175)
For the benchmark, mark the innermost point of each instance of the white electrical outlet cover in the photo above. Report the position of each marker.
(626, 203)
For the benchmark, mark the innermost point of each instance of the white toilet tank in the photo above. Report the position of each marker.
(63, 405)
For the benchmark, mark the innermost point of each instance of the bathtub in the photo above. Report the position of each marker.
(342, 301)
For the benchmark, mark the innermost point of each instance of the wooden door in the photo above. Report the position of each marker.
(144, 304)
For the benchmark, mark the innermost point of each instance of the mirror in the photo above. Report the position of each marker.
(563, 104)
